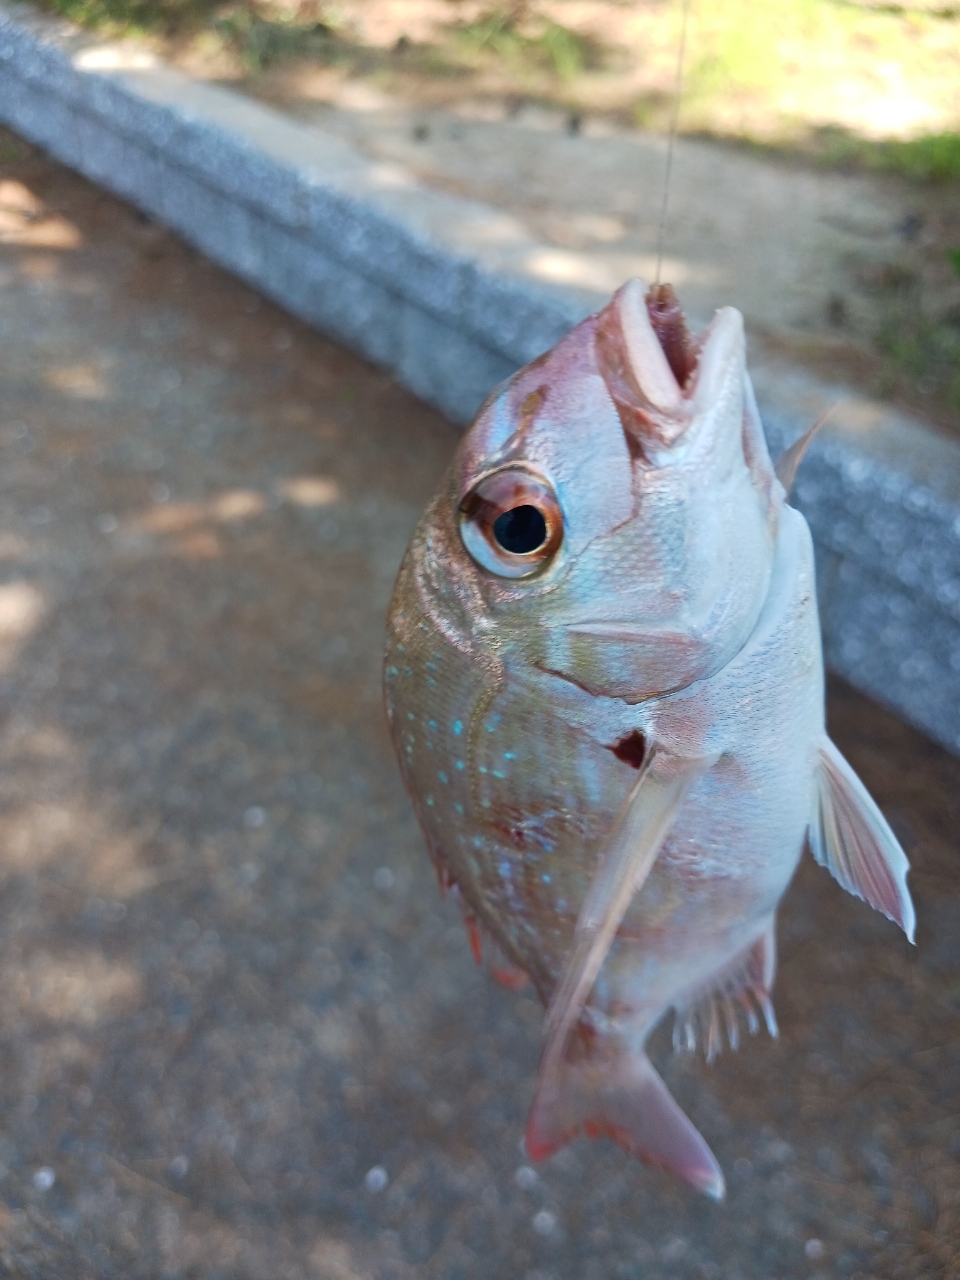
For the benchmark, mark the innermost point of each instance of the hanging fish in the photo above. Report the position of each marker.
(605, 684)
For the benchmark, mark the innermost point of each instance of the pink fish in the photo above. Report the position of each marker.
(604, 679)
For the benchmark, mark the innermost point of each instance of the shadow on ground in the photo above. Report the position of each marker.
(230, 990)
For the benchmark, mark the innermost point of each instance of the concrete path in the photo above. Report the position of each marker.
(239, 1034)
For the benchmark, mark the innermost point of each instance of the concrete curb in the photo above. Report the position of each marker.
(434, 288)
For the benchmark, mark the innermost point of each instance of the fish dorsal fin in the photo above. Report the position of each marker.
(851, 838)
(627, 857)
(712, 1012)
(789, 461)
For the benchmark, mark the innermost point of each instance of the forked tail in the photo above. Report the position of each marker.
(605, 1089)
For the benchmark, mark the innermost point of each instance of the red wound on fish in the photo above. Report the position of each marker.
(631, 749)
(671, 329)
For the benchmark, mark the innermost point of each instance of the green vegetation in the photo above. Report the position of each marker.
(137, 17)
(929, 158)
(922, 357)
(540, 45)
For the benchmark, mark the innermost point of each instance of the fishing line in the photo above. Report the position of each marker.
(674, 121)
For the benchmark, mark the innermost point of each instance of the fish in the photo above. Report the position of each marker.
(604, 681)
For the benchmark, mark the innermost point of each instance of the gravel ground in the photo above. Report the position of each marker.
(239, 1034)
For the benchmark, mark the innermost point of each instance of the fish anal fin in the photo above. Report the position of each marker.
(606, 1090)
(851, 838)
(711, 1013)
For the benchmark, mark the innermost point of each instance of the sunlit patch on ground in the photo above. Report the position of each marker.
(79, 989)
(25, 221)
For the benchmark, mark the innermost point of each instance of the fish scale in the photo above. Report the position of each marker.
(604, 681)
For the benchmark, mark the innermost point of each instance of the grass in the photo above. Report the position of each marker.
(922, 358)
(529, 45)
(921, 351)
(929, 158)
(137, 17)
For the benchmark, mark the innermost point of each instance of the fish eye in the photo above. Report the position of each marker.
(511, 523)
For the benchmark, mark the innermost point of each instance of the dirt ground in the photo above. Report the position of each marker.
(847, 274)
(239, 1035)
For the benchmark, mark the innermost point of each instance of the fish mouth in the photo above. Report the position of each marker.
(660, 375)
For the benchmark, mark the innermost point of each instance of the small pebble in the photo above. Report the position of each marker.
(814, 1250)
(376, 1179)
(107, 523)
(178, 1167)
(44, 1178)
(254, 817)
(526, 1178)
(544, 1223)
(160, 492)
(383, 879)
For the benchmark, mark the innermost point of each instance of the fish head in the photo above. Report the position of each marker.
(611, 513)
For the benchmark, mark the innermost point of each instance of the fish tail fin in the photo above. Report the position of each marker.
(608, 1090)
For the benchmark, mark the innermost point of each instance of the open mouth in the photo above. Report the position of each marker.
(659, 374)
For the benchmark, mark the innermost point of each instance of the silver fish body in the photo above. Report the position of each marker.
(614, 736)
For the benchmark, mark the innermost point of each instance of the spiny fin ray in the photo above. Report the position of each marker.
(707, 1013)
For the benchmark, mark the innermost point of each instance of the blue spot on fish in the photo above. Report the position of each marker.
(498, 774)
(442, 776)
(459, 764)
(430, 801)
(458, 727)
(509, 755)
(545, 879)
(459, 808)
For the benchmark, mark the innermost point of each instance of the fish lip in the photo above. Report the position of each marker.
(648, 360)
(722, 344)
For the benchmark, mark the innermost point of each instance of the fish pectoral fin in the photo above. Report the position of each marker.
(626, 859)
(851, 838)
(712, 1012)
(609, 1091)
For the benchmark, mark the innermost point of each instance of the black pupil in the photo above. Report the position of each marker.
(521, 530)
